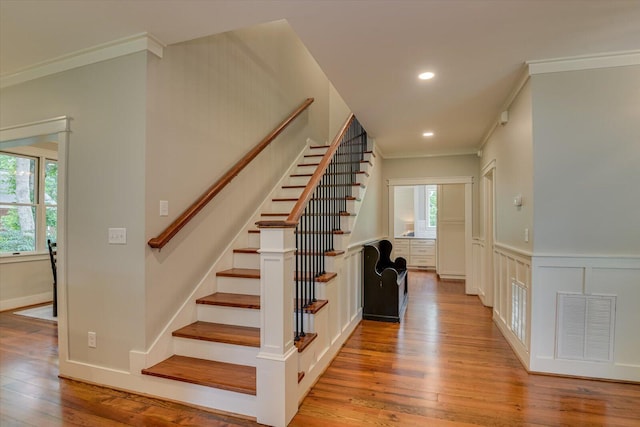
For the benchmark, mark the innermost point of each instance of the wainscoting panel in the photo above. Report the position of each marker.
(586, 316)
(512, 307)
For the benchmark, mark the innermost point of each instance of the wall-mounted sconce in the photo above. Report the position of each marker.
(517, 200)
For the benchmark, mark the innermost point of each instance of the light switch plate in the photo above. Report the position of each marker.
(164, 208)
(117, 236)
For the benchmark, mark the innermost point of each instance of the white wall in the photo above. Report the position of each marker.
(511, 147)
(210, 101)
(105, 283)
(404, 211)
(586, 156)
(369, 225)
(586, 128)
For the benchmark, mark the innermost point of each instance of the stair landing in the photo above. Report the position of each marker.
(226, 376)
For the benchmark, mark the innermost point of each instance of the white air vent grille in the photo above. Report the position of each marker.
(585, 327)
(519, 310)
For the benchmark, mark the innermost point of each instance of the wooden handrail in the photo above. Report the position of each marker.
(191, 211)
(298, 209)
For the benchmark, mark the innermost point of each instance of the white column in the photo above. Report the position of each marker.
(277, 364)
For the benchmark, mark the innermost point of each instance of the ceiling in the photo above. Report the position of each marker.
(371, 50)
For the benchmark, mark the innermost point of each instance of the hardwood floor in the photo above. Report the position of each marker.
(446, 364)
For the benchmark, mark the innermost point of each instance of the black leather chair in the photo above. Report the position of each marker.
(385, 283)
(53, 256)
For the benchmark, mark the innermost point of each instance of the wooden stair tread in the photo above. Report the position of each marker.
(312, 308)
(309, 175)
(304, 341)
(246, 273)
(326, 253)
(226, 376)
(326, 277)
(295, 199)
(218, 332)
(324, 232)
(300, 376)
(246, 250)
(274, 214)
(231, 300)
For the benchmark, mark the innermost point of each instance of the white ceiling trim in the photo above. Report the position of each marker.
(421, 155)
(42, 127)
(103, 52)
(434, 180)
(587, 62)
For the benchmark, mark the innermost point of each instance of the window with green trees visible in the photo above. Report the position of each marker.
(28, 210)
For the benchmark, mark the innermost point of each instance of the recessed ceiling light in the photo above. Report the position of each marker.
(426, 76)
(427, 134)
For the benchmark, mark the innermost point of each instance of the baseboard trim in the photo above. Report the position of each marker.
(11, 304)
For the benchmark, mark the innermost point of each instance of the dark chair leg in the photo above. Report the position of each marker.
(55, 299)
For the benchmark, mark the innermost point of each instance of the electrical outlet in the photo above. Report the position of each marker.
(91, 339)
(117, 236)
(526, 235)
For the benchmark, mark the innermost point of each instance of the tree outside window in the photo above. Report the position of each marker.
(21, 199)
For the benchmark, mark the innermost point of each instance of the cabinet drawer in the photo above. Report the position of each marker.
(404, 253)
(429, 250)
(401, 244)
(418, 260)
(422, 261)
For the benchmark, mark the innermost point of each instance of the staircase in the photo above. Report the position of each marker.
(220, 349)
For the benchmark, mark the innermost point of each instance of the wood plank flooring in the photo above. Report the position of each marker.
(445, 365)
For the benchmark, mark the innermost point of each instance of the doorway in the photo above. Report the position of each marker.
(37, 152)
(487, 288)
(465, 220)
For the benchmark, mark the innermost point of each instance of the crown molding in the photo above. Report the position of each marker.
(125, 46)
(585, 62)
(425, 155)
(42, 127)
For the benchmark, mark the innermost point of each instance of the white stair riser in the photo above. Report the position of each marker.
(316, 150)
(254, 240)
(282, 206)
(220, 352)
(242, 260)
(229, 315)
(238, 285)
(329, 263)
(290, 192)
(347, 222)
(298, 180)
(309, 324)
(305, 169)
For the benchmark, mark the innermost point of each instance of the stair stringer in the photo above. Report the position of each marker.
(335, 322)
(163, 345)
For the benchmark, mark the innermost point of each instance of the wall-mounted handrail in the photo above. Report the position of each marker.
(186, 216)
(303, 200)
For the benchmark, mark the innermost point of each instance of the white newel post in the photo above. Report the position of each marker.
(277, 364)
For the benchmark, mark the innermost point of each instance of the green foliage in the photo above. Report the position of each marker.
(15, 241)
(433, 208)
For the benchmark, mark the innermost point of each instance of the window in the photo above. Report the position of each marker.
(28, 210)
(432, 209)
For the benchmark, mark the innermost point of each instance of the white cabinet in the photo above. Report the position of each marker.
(417, 252)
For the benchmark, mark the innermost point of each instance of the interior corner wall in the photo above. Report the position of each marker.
(586, 150)
(427, 167)
(511, 147)
(586, 156)
(369, 225)
(210, 101)
(105, 175)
